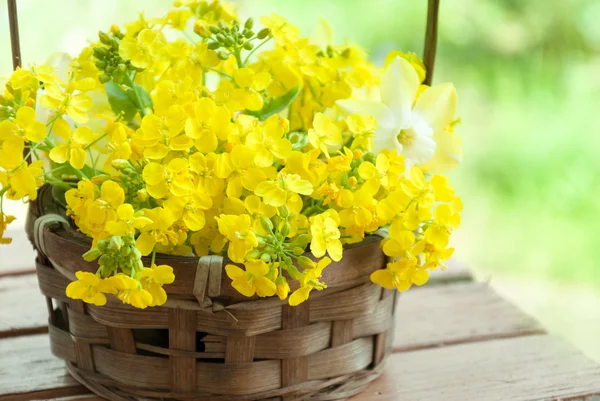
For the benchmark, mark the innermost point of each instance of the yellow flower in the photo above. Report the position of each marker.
(283, 32)
(88, 288)
(130, 291)
(71, 100)
(283, 189)
(309, 280)
(238, 231)
(283, 288)
(326, 235)
(5, 220)
(401, 275)
(438, 234)
(325, 134)
(25, 125)
(73, 149)
(11, 151)
(190, 209)
(268, 142)
(205, 168)
(244, 174)
(153, 279)
(400, 241)
(252, 280)
(207, 124)
(159, 134)
(158, 232)
(363, 129)
(143, 48)
(25, 181)
(128, 221)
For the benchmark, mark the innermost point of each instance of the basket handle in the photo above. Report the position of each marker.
(431, 33)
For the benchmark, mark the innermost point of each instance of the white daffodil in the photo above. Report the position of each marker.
(408, 124)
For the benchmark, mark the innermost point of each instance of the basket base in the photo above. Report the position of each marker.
(338, 389)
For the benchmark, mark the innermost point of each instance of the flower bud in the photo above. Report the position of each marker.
(104, 38)
(213, 45)
(100, 52)
(214, 29)
(266, 223)
(293, 272)
(266, 257)
(285, 229)
(253, 254)
(247, 34)
(115, 243)
(305, 263)
(120, 164)
(92, 255)
(220, 37)
(283, 288)
(249, 23)
(263, 33)
(302, 239)
(248, 46)
(142, 195)
(228, 42)
(223, 55)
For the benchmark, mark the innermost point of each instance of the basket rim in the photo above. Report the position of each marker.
(64, 247)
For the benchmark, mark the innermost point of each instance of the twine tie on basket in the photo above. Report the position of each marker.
(38, 229)
(207, 283)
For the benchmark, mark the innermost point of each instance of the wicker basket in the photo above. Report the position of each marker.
(208, 342)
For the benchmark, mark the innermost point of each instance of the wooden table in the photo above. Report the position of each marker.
(456, 339)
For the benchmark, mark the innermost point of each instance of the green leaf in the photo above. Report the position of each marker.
(128, 103)
(120, 102)
(58, 193)
(276, 105)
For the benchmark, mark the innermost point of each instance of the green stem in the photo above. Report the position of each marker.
(238, 58)
(95, 141)
(255, 49)
(153, 257)
(223, 73)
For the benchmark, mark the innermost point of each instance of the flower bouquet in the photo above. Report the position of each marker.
(178, 177)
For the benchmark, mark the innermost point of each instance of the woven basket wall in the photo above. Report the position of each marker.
(209, 342)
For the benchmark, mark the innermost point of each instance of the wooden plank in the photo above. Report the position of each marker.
(19, 256)
(23, 308)
(534, 368)
(28, 371)
(458, 313)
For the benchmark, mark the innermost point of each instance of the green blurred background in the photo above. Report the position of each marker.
(527, 77)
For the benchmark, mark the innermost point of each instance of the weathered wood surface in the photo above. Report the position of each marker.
(18, 257)
(533, 368)
(23, 308)
(453, 314)
(28, 371)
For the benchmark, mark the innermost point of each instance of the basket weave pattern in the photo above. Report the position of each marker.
(203, 345)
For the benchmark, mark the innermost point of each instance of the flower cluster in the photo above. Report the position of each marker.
(254, 143)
